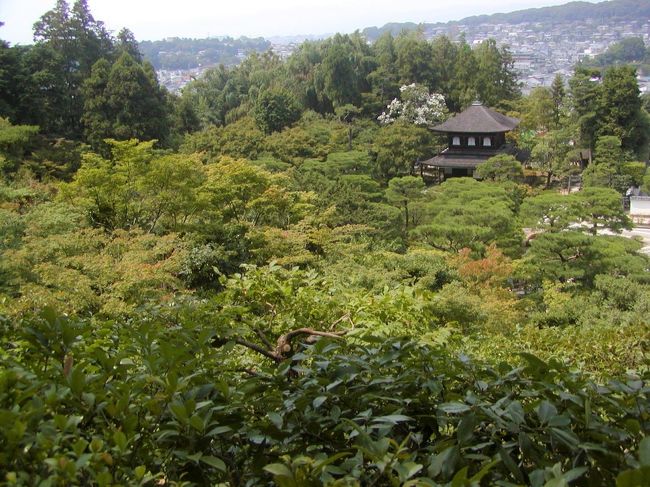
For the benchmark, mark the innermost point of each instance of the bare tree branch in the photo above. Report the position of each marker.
(283, 348)
(267, 343)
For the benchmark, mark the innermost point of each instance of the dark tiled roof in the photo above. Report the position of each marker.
(478, 119)
(459, 159)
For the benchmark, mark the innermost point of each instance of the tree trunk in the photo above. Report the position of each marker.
(406, 217)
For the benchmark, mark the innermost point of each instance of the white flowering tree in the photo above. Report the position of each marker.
(416, 105)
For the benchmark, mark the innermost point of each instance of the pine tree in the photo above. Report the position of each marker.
(77, 41)
(137, 104)
(126, 42)
(622, 108)
(557, 93)
(97, 110)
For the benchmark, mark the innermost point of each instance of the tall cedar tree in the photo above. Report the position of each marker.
(124, 103)
(79, 41)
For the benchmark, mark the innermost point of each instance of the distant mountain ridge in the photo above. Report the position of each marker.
(185, 54)
(572, 11)
(609, 10)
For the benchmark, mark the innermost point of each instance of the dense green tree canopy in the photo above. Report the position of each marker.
(503, 167)
(463, 213)
(551, 154)
(247, 284)
(610, 108)
(275, 110)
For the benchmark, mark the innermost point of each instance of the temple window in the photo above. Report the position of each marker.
(471, 141)
(487, 142)
(455, 141)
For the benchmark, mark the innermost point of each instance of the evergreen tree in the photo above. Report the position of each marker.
(91, 40)
(415, 59)
(622, 108)
(558, 94)
(275, 109)
(300, 69)
(54, 27)
(340, 78)
(496, 80)
(610, 108)
(384, 79)
(126, 42)
(138, 105)
(608, 160)
(124, 103)
(585, 99)
(10, 59)
(463, 91)
(97, 110)
(43, 92)
(79, 41)
(445, 54)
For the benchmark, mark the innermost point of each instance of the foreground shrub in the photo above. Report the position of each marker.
(148, 403)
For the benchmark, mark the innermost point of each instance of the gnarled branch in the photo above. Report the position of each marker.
(283, 347)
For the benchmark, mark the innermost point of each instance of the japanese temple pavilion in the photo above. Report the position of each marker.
(474, 135)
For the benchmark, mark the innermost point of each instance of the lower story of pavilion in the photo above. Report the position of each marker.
(450, 164)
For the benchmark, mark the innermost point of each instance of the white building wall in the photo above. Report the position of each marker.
(640, 205)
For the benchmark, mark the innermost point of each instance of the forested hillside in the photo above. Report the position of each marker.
(608, 10)
(602, 11)
(249, 284)
(176, 53)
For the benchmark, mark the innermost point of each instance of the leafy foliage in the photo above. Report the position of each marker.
(102, 409)
(486, 213)
(500, 168)
(182, 53)
(282, 301)
(275, 110)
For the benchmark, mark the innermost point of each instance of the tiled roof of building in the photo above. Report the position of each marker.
(462, 159)
(456, 160)
(478, 119)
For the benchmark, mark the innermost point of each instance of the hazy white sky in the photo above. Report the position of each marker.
(157, 19)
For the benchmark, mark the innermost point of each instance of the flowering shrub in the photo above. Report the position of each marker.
(416, 105)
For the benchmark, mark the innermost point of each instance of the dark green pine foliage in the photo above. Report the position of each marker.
(275, 109)
(97, 110)
(384, 78)
(126, 42)
(495, 78)
(585, 93)
(622, 115)
(127, 103)
(76, 41)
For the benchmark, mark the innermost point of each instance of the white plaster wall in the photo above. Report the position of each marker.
(640, 205)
